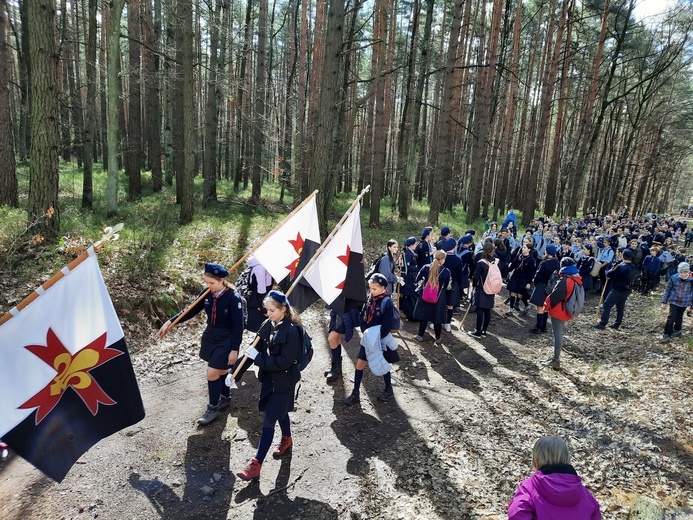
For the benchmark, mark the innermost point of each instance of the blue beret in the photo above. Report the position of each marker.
(379, 279)
(216, 270)
(279, 297)
(449, 244)
(425, 233)
(409, 241)
(466, 239)
(445, 231)
(551, 249)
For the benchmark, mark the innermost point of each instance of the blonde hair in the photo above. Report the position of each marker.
(290, 313)
(550, 450)
(435, 269)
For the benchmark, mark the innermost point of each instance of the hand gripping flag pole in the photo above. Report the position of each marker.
(245, 257)
(242, 365)
(110, 233)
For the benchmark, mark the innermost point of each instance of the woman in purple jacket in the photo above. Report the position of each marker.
(555, 490)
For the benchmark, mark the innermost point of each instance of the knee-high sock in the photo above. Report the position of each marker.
(285, 425)
(337, 352)
(512, 302)
(449, 316)
(215, 388)
(265, 439)
(388, 381)
(358, 377)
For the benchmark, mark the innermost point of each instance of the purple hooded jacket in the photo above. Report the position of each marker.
(557, 494)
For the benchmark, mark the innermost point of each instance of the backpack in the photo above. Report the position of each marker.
(396, 317)
(634, 278)
(306, 354)
(243, 282)
(430, 294)
(375, 267)
(576, 300)
(553, 280)
(494, 280)
(244, 308)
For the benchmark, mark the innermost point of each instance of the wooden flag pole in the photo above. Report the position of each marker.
(110, 234)
(308, 266)
(601, 299)
(243, 258)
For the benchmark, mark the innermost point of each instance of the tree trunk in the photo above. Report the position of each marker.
(379, 124)
(115, 12)
(209, 165)
(43, 168)
(133, 153)
(8, 173)
(152, 35)
(89, 115)
(260, 95)
(188, 176)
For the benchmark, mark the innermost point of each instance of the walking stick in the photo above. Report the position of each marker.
(465, 315)
(601, 298)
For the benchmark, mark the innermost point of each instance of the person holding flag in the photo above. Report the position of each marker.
(278, 351)
(222, 337)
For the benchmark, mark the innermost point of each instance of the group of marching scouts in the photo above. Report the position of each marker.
(430, 281)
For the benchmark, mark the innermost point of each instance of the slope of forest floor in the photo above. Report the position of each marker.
(454, 443)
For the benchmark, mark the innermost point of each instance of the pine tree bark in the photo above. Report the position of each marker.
(89, 115)
(8, 172)
(133, 155)
(113, 95)
(260, 96)
(188, 176)
(152, 36)
(379, 123)
(43, 206)
(209, 165)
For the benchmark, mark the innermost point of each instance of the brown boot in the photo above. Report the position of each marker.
(252, 471)
(285, 444)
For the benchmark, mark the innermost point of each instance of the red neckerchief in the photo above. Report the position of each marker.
(215, 297)
(373, 304)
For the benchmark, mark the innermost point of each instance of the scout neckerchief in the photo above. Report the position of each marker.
(374, 304)
(215, 297)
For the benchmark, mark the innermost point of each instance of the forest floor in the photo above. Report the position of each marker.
(453, 444)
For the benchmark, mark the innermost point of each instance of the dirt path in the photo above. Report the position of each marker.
(453, 444)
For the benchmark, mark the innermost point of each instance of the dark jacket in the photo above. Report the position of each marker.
(523, 269)
(378, 311)
(409, 270)
(277, 358)
(433, 312)
(424, 255)
(482, 300)
(545, 270)
(618, 276)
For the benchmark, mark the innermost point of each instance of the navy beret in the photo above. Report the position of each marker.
(445, 231)
(379, 279)
(551, 249)
(425, 233)
(279, 297)
(216, 270)
(409, 241)
(466, 239)
(628, 254)
(449, 244)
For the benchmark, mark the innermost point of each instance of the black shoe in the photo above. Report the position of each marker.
(352, 399)
(386, 395)
(224, 402)
(211, 414)
(676, 334)
(615, 326)
(483, 333)
(535, 330)
(598, 326)
(475, 333)
(334, 372)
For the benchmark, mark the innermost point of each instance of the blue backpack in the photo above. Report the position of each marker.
(306, 354)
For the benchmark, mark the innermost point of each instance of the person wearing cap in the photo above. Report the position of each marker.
(445, 233)
(464, 252)
(541, 280)
(379, 311)
(568, 278)
(678, 294)
(482, 300)
(620, 290)
(424, 249)
(221, 338)
(452, 295)
(410, 268)
(276, 355)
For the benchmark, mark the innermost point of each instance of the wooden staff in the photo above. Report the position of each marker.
(601, 298)
(243, 258)
(465, 315)
(308, 266)
(110, 234)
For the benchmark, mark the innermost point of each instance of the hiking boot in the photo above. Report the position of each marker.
(335, 371)
(251, 471)
(285, 444)
(418, 338)
(447, 327)
(676, 334)
(211, 414)
(224, 402)
(352, 399)
(438, 342)
(665, 339)
(475, 333)
(386, 395)
(598, 326)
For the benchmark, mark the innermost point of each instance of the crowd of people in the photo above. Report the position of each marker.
(552, 266)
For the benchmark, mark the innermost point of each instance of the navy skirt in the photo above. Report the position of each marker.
(216, 347)
(275, 404)
(538, 295)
